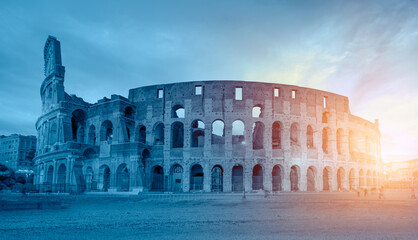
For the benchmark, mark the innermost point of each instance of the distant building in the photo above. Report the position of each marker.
(402, 171)
(17, 151)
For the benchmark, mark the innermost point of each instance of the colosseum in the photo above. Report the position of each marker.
(202, 136)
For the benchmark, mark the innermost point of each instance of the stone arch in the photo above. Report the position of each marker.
(311, 179)
(178, 111)
(106, 131)
(309, 137)
(104, 178)
(325, 117)
(177, 135)
(92, 135)
(326, 178)
(196, 178)
(277, 178)
(374, 179)
(276, 135)
(89, 178)
(352, 179)
(53, 134)
(89, 153)
(157, 178)
(237, 178)
(62, 178)
(369, 179)
(159, 134)
(122, 178)
(217, 179)
(197, 134)
(339, 140)
(257, 111)
(294, 178)
(218, 132)
(325, 140)
(257, 177)
(340, 178)
(78, 118)
(361, 179)
(50, 175)
(294, 134)
(238, 129)
(176, 178)
(142, 134)
(258, 135)
(129, 112)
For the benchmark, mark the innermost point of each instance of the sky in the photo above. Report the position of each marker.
(365, 50)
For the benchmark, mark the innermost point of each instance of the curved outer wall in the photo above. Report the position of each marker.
(141, 143)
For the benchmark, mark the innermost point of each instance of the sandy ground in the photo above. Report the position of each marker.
(287, 216)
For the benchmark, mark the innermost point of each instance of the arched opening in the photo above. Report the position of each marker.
(276, 178)
(276, 136)
(217, 179)
(198, 134)
(159, 134)
(369, 179)
(294, 134)
(142, 135)
(157, 179)
(294, 178)
(196, 178)
(92, 135)
(258, 135)
(177, 134)
(122, 178)
(129, 112)
(238, 132)
(77, 121)
(237, 178)
(374, 179)
(310, 175)
(218, 132)
(177, 178)
(61, 180)
(89, 179)
(89, 153)
(53, 134)
(352, 179)
(325, 117)
(257, 177)
(340, 179)
(257, 111)
(325, 140)
(49, 176)
(326, 180)
(104, 178)
(177, 111)
(106, 131)
(309, 137)
(361, 178)
(339, 140)
(351, 141)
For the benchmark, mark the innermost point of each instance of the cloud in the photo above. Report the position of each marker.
(364, 50)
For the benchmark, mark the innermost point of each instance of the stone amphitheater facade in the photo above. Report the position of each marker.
(224, 136)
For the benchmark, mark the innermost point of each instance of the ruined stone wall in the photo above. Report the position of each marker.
(202, 136)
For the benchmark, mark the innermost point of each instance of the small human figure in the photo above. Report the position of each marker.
(381, 192)
(365, 192)
(413, 193)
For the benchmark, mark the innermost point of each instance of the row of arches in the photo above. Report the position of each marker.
(174, 182)
(217, 133)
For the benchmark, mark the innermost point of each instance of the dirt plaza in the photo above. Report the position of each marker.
(210, 216)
